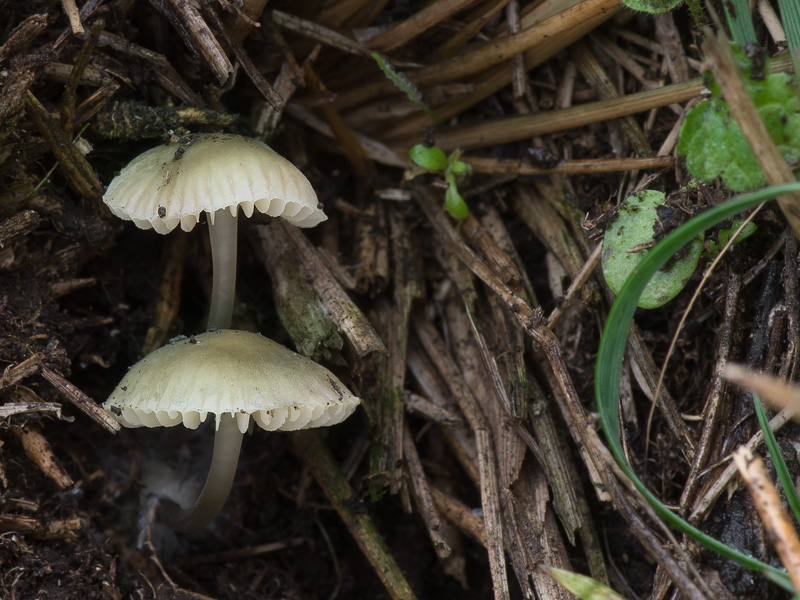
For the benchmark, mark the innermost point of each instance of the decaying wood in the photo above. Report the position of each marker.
(137, 120)
(505, 166)
(20, 408)
(166, 74)
(591, 68)
(424, 496)
(289, 78)
(562, 26)
(299, 309)
(408, 287)
(261, 83)
(422, 406)
(348, 141)
(319, 33)
(323, 465)
(563, 486)
(63, 529)
(713, 407)
(370, 236)
(460, 515)
(23, 34)
(186, 19)
(513, 129)
(377, 151)
(88, 406)
(62, 288)
(350, 320)
(446, 366)
(74, 164)
(39, 451)
(247, 18)
(571, 408)
(169, 295)
(722, 480)
(780, 529)
(577, 286)
(74, 16)
(15, 373)
(487, 247)
(76, 75)
(553, 35)
(417, 24)
(455, 433)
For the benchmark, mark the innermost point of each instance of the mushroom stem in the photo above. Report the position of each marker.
(227, 443)
(222, 228)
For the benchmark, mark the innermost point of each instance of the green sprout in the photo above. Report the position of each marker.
(432, 159)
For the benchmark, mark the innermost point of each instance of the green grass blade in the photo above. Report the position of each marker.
(777, 458)
(740, 21)
(612, 349)
(790, 17)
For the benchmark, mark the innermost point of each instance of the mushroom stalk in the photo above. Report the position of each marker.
(227, 444)
(222, 228)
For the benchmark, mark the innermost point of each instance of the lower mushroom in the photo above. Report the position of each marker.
(234, 375)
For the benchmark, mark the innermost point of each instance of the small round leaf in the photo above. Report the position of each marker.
(633, 230)
(431, 158)
(454, 203)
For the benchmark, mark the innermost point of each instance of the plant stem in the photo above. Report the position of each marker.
(227, 443)
(697, 12)
(222, 228)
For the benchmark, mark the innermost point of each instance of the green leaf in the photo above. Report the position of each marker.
(725, 234)
(454, 203)
(712, 140)
(428, 157)
(582, 586)
(652, 6)
(633, 228)
(460, 166)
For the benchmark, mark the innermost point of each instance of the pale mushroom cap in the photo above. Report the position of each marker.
(235, 372)
(174, 183)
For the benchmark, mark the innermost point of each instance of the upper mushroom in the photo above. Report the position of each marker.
(174, 183)
(215, 173)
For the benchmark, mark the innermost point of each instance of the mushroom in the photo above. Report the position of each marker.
(214, 173)
(234, 375)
